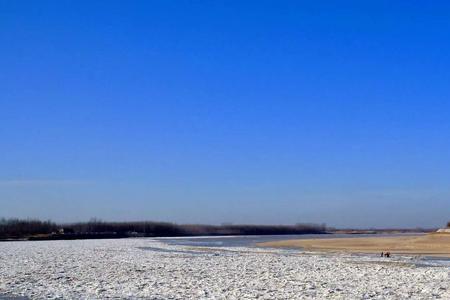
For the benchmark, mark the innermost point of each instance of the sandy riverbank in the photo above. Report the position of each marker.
(433, 244)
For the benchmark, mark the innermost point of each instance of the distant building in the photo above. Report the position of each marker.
(65, 230)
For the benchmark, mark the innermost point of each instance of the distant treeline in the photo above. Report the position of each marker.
(15, 228)
(448, 224)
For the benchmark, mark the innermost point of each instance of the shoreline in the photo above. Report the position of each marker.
(112, 235)
(432, 244)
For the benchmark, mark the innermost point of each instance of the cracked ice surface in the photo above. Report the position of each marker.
(149, 269)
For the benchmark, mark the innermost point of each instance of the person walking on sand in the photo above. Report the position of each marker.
(382, 254)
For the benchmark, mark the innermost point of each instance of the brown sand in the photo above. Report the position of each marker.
(432, 244)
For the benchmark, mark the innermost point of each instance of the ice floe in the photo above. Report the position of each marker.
(150, 269)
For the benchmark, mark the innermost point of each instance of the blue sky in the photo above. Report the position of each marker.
(226, 111)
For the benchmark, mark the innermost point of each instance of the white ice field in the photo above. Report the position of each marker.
(150, 269)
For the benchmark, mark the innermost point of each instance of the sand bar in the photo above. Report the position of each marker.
(433, 244)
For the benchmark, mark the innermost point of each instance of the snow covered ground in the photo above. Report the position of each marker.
(150, 269)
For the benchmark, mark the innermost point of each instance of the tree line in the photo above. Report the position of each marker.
(16, 228)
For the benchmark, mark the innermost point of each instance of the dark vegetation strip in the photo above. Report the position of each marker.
(47, 230)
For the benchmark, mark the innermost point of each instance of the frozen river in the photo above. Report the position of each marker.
(209, 268)
(252, 240)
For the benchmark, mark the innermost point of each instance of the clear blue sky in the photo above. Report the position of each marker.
(226, 111)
